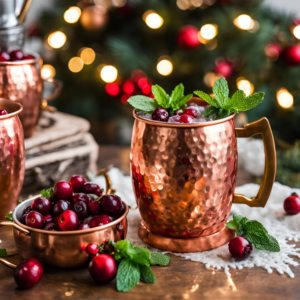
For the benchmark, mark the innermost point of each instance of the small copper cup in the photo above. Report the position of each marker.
(21, 81)
(12, 156)
(184, 179)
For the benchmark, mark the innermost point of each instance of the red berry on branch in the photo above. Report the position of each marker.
(240, 248)
(292, 204)
(187, 37)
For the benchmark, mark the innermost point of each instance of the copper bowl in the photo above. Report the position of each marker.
(12, 156)
(21, 81)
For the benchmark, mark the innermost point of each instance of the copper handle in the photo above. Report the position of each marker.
(103, 172)
(24, 10)
(54, 95)
(261, 126)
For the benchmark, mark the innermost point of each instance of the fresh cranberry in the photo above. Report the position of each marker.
(16, 55)
(27, 210)
(28, 273)
(292, 204)
(63, 190)
(92, 249)
(23, 219)
(81, 209)
(4, 56)
(3, 112)
(186, 119)
(42, 205)
(107, 247)
(161, 114)
(240, 248)
(35, 219)
(99, 220)
(177, 112)
(111, 205)
(191, 111)
(80, 197)
(60, 206)
(28, 57)
(68, 220)
(47, 219)
(83, 226)
(52, 227)
(94, 207)
(77, 183)
(91, 188)
(103, 268)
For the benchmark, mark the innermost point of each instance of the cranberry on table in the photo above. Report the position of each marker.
(16, 55)
(63, 190)
(27, 209)
(91, 188)
(99, 220)
(42, 205)
(186, 119)
(68, 220)
(292, 204)
(160, 114)
(28, 273)
(191, 111)
(240, 248)
(94, 207)
(81, 209)
(3, 112)
(92, 249)
(83, 226)
(47, 219)
(52, 227)
(35, 219)
(112, 205)
(60, 206)
(103, 268)
(4, 56)
(80, 197)
(77, 183)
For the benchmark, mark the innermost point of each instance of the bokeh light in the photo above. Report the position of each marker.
(88, 55)
(209, 31)
(57, 39)
(152, 19)
(128, 87)
(72, 15)
(296, 32)
(284, 98)
(75, 64)
(109, 74)
(112, 89)
(164, 67)
(244, 22)
(48, 71)
(119, 3)
(245, 85)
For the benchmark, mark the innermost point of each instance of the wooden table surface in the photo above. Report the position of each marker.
(182, 279)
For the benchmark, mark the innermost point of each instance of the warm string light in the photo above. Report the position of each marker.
(284, 98)
(109, 74)
(57, 39)
(245, 22)
(48, 71)
(209, 31)
(88, 55)
(210, 78)
(152, 19)
(75, 64)
(245, 85)
(296, 32)
(164, 67)
(72, 15)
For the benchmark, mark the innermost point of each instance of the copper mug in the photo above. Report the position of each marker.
(63, 249)
(184, 178)
(12, 156)
(21, 81)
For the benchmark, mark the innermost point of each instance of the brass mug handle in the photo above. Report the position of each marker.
(103, 172)
(261, 126)
(54, 95)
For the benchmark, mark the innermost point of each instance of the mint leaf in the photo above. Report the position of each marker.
(160, 96)
(181, 102)
(143, 103)
(177, 93)
(240, 102)
(3, 253)
(140, 255)
(9, 217)
(128, 275)
(207, 98)
(123, 247)
(223, 113)
(236, 99)
(221, 91)
(48, 193)
(262, 241)
(147, 275)
(210, 111)
(255, 226)
(238, 218)
(232, 225)
(159, 259)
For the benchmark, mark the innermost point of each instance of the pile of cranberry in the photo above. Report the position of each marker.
(15, 55)
(76, 205)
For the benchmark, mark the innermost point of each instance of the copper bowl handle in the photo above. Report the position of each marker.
(7, 263)
(54, 95)
(103, 172)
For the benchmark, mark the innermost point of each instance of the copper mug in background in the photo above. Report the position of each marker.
(21, 81)
(184, 178)
(12, 156)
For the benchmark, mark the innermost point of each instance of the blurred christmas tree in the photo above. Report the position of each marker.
(107, 50)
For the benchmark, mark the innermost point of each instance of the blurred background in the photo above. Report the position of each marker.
(104, 51)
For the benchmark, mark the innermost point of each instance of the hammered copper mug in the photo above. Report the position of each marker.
(21, 81)
(184, 179)
(12, 156)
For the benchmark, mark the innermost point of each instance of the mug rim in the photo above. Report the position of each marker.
(65, 233)
(34, 60)
(183, 125)
(18, 108)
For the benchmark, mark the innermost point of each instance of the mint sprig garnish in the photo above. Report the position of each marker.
(176, 101)
(9, 217)
(48, 193)
(3, 253)
(223, 105)
(254, 232)
(135, 264)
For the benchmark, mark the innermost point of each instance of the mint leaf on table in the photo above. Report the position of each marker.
(128, 275)
(140, 255)
(232, 225)
(160, 95)
(3, 253)
(159, 259)
(143, 103)
(48, 193)
(147, 275)
(9, 217)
